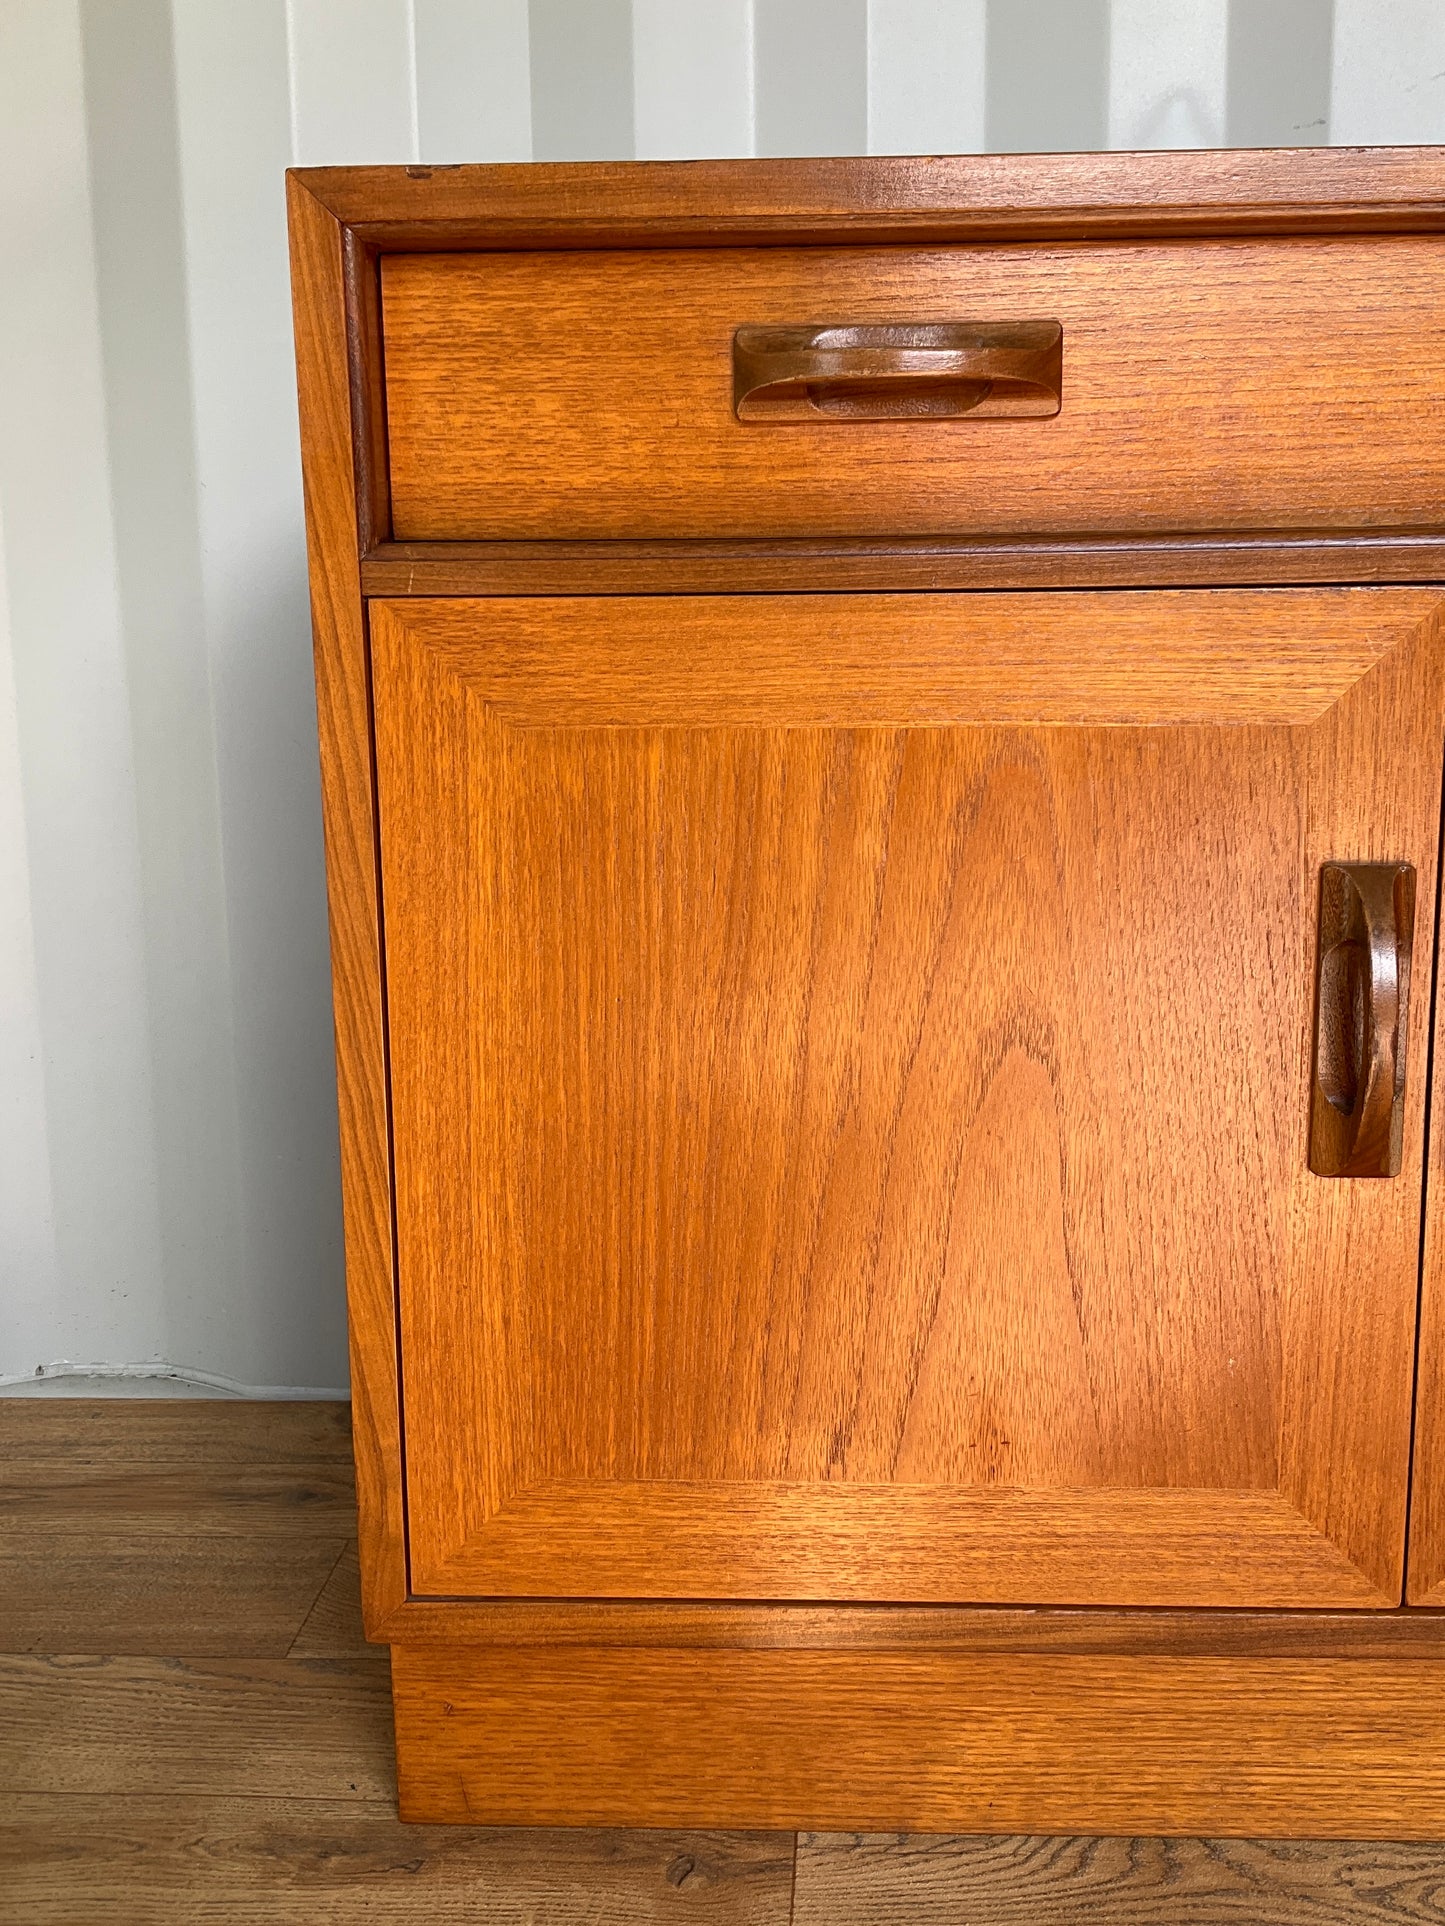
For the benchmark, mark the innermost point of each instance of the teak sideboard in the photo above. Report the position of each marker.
(881, 731)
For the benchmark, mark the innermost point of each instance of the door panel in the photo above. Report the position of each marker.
(850, 1064)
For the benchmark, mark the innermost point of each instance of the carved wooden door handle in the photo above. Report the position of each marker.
(1367, 924)
(897, 372)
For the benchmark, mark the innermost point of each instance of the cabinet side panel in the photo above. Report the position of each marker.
(348, 808)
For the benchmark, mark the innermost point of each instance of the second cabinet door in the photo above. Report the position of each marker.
(851, 1063)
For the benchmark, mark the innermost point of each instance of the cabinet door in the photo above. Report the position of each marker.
(851, 1061)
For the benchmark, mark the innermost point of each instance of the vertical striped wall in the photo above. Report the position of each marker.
(448, 80)
(168, 1184)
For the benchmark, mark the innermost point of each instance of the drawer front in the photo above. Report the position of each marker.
(1205, 385)
(850, 1069)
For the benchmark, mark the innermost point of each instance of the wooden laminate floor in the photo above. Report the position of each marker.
(193, 1729)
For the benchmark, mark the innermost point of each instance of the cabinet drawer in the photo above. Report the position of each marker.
(1205, 385)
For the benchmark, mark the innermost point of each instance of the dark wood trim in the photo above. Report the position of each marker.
(976, 197)
(396, 569)
(366, 364)
(978, 1628)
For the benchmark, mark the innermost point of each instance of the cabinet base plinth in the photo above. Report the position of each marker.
(931, 1741)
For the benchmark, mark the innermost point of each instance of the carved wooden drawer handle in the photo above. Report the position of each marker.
(900, 372)
(1367, 924)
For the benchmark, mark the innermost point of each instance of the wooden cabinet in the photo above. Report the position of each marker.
(853, 970)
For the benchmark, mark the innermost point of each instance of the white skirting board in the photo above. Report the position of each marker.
(158, 1380)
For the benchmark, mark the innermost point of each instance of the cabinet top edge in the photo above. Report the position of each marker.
(888, 197)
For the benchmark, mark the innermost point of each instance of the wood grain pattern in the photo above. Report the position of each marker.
(276, 1862)
(902, 198)
(857, 1167)
(371, 465)
(1312, 1412)
(157, 1589)
(780, 567)
(252, 1728)
(229, 1446)
(965, 1628)
(334, 1627)
(1381, 742)
(923, 1742)
(179, 1526)
(837, 1539)
(1425, 1576)
(910, 661)
(193, 1467)
(1230, 385)
(142, 1437)
(847, 1880)
(229, 1850)
(331, 435)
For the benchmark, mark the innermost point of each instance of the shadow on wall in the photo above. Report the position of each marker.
(168, 1168)
(149, 483)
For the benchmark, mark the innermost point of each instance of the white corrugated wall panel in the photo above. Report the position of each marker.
(1167, 65)
(810, 76)
(146, 366)
(168, 1181)
(1388, 78)
(81, 853)
(1278, 73)
(235, 130)
(692, 79)
(1048, 75)
(27, 1215)
(927, 76)
(352, 79)
(581, 79)
(473, 78)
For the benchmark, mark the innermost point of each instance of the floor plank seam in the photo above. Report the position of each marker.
(320, 1591)
(257, 1786)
